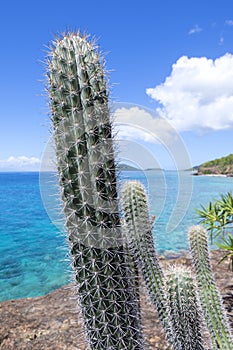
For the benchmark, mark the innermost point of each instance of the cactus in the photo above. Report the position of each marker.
(183, 309)
(173, 296)
(140, 240)
(85, 160)
(210, 298)
(105, 264)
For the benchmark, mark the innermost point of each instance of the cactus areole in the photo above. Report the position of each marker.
(85, 162)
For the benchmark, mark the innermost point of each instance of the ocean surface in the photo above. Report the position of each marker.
(34, 258)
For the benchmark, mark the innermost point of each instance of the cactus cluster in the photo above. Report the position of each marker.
(174, 292)
(107, 253)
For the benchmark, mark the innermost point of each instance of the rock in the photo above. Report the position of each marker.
(53, 322)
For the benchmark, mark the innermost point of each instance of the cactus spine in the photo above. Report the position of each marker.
(140, 240)
(210, 298)
(85, 160)
(183, 309)
(173, 296)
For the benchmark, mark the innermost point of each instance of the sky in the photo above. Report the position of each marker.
(170, 67)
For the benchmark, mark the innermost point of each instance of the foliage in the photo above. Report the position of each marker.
(217, 216)
(228, 246)
(224, 161)
(222, 165)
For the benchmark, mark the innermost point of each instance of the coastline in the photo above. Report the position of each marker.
(53, 321)
(213, 175)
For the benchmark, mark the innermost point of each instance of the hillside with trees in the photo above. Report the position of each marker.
(219, 166)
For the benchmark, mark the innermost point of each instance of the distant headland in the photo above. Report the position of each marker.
(126, 167)
(220, 166)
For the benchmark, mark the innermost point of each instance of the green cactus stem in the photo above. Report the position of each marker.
(210, 298)
(184, 311)
(140, 240)
(85, 161)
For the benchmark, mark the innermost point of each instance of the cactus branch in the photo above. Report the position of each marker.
(210, 298)
(183, 308)
(139, 236)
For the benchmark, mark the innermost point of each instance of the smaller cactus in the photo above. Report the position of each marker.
(210, 298)
(140, 240)
(183, 309)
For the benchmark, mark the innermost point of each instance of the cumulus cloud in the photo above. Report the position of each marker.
(20, 163)
(198, 94)
(195, 29)
(135, 123)
(138, 123)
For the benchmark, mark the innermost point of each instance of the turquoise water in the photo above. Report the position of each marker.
(33, 252)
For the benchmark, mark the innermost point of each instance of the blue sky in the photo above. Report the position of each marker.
(172, 57)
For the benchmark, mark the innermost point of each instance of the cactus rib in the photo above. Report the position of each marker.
(210, 298)
(85, 160)
(183, 308)
(139, 236)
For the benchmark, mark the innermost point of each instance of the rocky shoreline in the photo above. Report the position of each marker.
(212, 174)
(53, 322)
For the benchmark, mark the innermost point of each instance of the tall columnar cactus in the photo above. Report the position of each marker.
(140, 240)
(210, 298)
(183, 309)
(85, 160)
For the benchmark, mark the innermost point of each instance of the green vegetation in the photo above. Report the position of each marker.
(210, 300)
(222, 165)
(85, 158)
(173, 291)
(218, 218)
(126, 167)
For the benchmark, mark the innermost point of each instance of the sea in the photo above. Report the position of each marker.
(34, 254)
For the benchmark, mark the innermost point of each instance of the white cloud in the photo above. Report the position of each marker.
(195, 29)
(229, 22)
(138, 123)
(20, 163)
(198, 94)
(221, 40)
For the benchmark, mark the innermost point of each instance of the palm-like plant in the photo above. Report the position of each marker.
(218, 218)
(228, 246)
(226, 204)
(211, 217)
